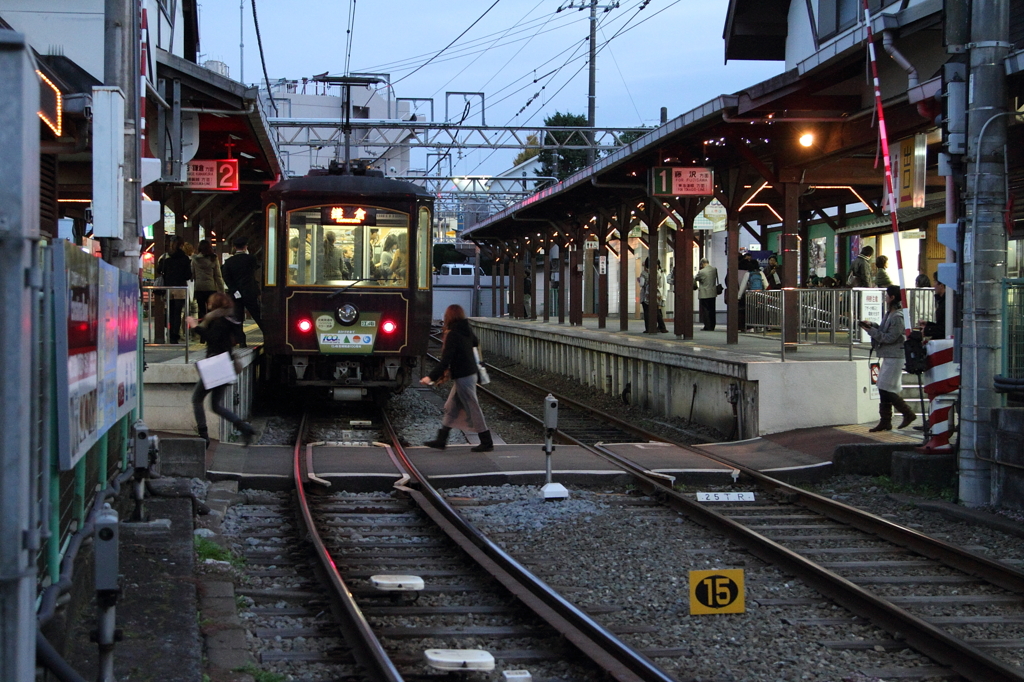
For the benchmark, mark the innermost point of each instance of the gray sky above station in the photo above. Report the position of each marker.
(669, 54)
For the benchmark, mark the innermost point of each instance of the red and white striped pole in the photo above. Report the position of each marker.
(942, 378)
(888, 167)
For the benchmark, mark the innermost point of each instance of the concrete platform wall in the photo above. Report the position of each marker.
(167, 396)
(671, 379)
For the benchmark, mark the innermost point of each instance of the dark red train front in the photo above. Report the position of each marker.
(346, 294)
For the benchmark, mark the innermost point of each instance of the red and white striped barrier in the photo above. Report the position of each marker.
(940, 379)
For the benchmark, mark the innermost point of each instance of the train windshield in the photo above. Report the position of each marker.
(348, 245)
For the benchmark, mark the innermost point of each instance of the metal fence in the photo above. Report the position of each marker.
(1013, 329)
(826, 316)
(156, 299)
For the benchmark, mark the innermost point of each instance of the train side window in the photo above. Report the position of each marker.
(393, 268)
(424, 243)
(270, 268)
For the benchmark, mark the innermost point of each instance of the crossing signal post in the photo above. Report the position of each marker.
(551, 491)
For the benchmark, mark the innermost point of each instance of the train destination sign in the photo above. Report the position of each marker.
(348, 215)
(717, 591)
(217, 175)
(682, 181)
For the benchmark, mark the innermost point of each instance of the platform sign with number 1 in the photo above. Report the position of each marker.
(717, 591)
(682, 181)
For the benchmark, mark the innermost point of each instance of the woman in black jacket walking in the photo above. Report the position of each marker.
(462, 409)
(219, 329)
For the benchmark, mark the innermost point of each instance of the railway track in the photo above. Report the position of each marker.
(473, 600)
(902, 581)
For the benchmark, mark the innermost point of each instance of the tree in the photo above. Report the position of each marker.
(561, 163)
(628, 136)
(447, 253)
(531, 150)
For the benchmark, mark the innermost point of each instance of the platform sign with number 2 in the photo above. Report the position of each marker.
(717, 591)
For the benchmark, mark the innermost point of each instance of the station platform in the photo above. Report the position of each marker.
(170, 376)
(749, 388)
(804, 455)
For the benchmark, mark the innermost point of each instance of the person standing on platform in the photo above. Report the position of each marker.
(176, 270)
(206, 274)
(240, 277)
(922, 281)
(706, 284)
(219, 329)
(936, 328)
(887, 342)
(860, 269)
(645, 296)
(882, 279)
(772, 276)
(462, 409)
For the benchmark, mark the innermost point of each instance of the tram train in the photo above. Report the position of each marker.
(347, 283)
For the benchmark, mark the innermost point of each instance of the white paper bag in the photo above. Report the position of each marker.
(482, 377)
(216, 371)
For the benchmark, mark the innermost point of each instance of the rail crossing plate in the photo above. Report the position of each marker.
(717, 591)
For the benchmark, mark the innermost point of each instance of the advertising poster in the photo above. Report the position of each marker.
(106, 379)
(80, 311)
(871, 308)
(818, 263)
(127, 350)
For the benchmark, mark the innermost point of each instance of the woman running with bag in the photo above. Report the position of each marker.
(462, 409)
(220, 330)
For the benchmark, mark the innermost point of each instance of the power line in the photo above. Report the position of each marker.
(349, 31)
(409, 62)
(448, 45)
(263, 61)
(491, 46)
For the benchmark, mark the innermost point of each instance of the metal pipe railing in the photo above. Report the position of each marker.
(826, 316)
(162, 295)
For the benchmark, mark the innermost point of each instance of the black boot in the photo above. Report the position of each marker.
(441, 441)
(909, 416)
(885, 423)
(204, 433)
(247, 433)
(486, 444)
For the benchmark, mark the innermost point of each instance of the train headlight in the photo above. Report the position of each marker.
(388, 327)
(305, 325)
(347, 314)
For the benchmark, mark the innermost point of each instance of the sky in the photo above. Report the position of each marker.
(528, 58)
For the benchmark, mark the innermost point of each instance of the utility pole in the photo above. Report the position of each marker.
(592, 92)
(984, 247)
(122, 68)
(241, 42)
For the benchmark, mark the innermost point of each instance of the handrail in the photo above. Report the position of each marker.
(827, 316)
(148, 332)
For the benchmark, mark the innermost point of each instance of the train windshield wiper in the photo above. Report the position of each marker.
(339, 292)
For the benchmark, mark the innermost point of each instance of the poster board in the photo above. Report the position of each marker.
(95, 312)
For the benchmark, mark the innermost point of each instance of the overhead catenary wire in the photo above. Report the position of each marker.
(470, 47)
(438, 54)
(491, 46)
(622, 30)
(263, 60)
(348, 38)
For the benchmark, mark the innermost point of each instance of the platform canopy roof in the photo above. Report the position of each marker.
(232, 123)
(751, 141)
